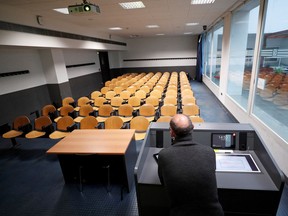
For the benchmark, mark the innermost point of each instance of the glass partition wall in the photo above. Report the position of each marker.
(256, 79)
(271, 96)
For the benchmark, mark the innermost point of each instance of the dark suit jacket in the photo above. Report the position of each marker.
(187, 170)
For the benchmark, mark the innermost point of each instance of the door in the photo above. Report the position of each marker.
(104, 65)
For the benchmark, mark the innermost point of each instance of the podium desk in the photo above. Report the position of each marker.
(113, 146)
(240, 192)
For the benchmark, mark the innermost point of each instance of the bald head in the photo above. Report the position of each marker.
(181, 125)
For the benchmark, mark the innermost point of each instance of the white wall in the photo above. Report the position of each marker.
(74, 57)
(161, 47)
(18, 59)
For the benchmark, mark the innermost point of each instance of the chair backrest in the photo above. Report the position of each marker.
(104, 90)
(65, 110)
(118, 89)
(64, 122)
(113, 122)
(125, 110)
(156, 93)
(140, 94)
(105, 110)
(82, 101)
(131, 89)
(168, 110)
(187, 92)
(116, 101)
(145, 88)
(99, 101)
(41, 122)
(147, 110)
(85, 110)
(164, 119)
(170, 100)
(188, 100)
(152, 100)
(171, 93)
(190, 110)
(48, 109)
(134, 101)
(196, 119)
(89, 122)
(139, 123)
(67, 101)
(109, 95)
(95, 94)
(20, 121)
(125, 94)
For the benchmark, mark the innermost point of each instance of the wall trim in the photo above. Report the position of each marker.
(158, 59)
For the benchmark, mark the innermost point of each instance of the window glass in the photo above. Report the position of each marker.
(242, 42)
(207, 54)
(271, 98)
(217, 53)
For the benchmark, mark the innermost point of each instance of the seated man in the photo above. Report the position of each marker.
(187, 170)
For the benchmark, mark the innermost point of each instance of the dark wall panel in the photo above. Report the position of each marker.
(23, 103)
(84, 85)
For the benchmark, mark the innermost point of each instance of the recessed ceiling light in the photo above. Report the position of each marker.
(152, 26)
(192, 24)
(202, 1)
(132, 5)
(160, 34)
(188, 33)
(62, 10)
(115, 28)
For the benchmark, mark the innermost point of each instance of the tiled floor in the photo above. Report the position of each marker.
(31, 181)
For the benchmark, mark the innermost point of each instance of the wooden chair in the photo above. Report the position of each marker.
(42, 127)
(187, 92)
(98, 102)
(125, 95)
(140, 94)
(116, 102)
(84, 111)
(170, 100)
(196, 119)
(118, 90)
(95, 94)
(191, 110)
(113, 122)
(104, 112)
(171, 93)
(135, 102)
(152, 100)
(188, 100)
(104, 90)
(89, 122)
(148, 111)
(164, 119)
(109, 95)
(81, 102)
(21, 126)
(156, 93)
(49, 110)
(131, 89)
(125, 112)
(168, 110)
(66, 110)
(68, 101)
(64, 126)
(140, 124)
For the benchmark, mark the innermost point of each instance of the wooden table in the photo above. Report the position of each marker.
(115, 146)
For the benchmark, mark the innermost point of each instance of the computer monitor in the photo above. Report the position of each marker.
(223, 140)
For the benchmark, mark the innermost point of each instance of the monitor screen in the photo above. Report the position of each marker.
(223, 140)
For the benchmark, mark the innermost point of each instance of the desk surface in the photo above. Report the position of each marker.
(108, 141)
